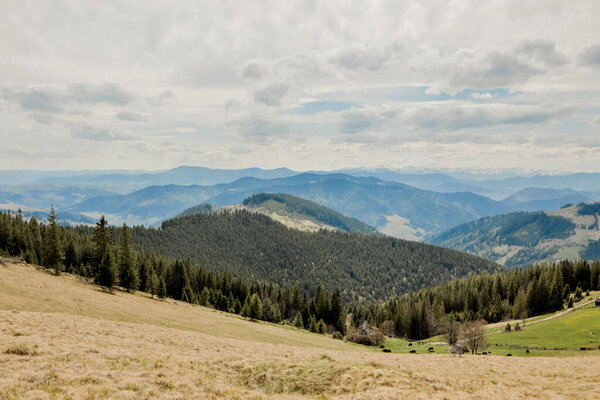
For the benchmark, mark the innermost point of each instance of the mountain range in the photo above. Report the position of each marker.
(403, 204)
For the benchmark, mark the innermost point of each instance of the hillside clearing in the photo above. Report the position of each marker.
(80, 342)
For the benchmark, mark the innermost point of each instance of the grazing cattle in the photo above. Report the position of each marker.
(509, 355)
(387, 351)
(381, 346)
(430, 350)
(412, 351)
(484, 353)
(527, 351)
(410, 344)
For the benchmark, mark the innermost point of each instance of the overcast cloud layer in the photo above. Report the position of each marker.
(316, 85)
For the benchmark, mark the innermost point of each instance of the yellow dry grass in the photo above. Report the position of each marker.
(71, 340)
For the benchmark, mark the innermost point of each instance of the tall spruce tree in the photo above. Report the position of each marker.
(256, 309)
(556, 292)
(53, 248)
(128, 271)
(107, 275)
(102, 239)
(162, 289)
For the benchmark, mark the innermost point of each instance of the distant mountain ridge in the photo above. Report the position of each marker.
(403, 204)
(371, 200)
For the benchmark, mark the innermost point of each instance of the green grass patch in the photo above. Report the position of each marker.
(404, 346)
(572, 331)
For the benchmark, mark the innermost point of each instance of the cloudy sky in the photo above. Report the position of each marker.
(315, 85)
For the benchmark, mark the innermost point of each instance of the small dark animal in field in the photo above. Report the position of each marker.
(381, 346)
(387, 351)
(509, 355)
(412, 351)
(527, 351)
(430, 350)
(484, 353)
(410, 344)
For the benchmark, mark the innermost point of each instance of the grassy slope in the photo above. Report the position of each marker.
(296, 207)
(83, 343)
(577, 329)
(43, 292)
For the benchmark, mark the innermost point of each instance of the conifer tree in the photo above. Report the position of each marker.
(312, 323)
(128, 271)
(204, 297)
(107, 271)
(70, 257)
(321, 327)
(256, 310)
(53, 250)
(102, 239)
(152, 285)
(519, 309)
(595, 276)
(556, 292)
(298, 323)
(188, 295)
(246, 308)
(144, 275)
(162, 289)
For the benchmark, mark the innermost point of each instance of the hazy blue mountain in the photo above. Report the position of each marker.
(544, 199)
(42, 196)
(24, 177)
(371, 200)
(178, 176)
(586, 182)
(64, 217)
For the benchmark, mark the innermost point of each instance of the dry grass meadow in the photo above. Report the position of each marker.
(63, 338)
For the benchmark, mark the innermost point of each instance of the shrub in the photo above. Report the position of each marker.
(20, 350)
(518, 327)
(337, 335)
(508, 328)
(373, 339)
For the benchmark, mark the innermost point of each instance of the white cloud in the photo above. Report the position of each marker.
(189, 69)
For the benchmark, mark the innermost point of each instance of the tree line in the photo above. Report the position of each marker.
(519, 293)
(106, 255)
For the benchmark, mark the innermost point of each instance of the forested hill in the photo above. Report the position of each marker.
(254, 246)
(571, 232)
(292, 207)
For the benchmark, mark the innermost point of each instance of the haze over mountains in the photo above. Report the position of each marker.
(402, 204)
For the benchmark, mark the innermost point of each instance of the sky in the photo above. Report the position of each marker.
(309, 85)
